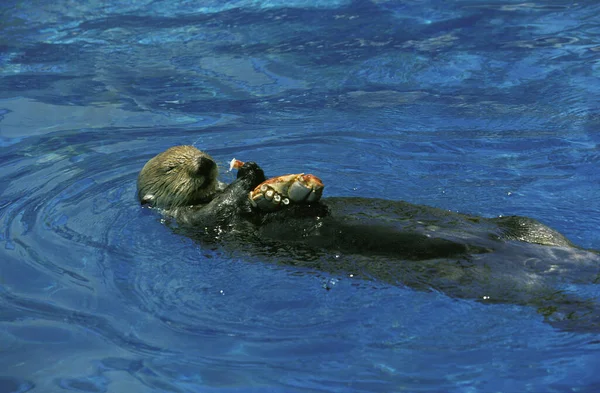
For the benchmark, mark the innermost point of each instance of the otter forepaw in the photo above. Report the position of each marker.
(251, 171)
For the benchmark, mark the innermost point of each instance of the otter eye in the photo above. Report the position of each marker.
(170, 168)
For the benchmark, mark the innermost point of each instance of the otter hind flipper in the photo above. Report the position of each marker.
(531, 231)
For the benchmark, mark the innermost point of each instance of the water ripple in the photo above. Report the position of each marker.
(483, 108)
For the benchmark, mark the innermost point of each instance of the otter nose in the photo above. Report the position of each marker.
(205, 166)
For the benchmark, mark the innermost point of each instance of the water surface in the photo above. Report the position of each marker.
(489, 108)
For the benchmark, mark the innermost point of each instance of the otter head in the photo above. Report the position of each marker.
(180, 176)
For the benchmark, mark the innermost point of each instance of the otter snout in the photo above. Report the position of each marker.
(206, 166)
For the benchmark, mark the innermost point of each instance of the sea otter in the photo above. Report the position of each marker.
(507, 259)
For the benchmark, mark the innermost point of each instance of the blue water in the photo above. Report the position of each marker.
(484, 107)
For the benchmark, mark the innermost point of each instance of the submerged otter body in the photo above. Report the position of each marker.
(508, 259)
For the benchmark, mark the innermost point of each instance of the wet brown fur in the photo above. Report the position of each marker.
(173, 179)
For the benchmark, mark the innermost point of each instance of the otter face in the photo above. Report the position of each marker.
(180, 176)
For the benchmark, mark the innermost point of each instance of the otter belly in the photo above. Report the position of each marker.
(501, 260)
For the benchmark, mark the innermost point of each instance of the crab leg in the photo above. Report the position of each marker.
(235, 164)
(306, 188)
(268, 199)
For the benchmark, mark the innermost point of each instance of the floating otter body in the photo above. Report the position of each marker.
(507, 259)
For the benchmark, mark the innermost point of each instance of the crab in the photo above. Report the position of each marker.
(284, 190)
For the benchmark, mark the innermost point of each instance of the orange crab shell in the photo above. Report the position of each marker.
(280, 190)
